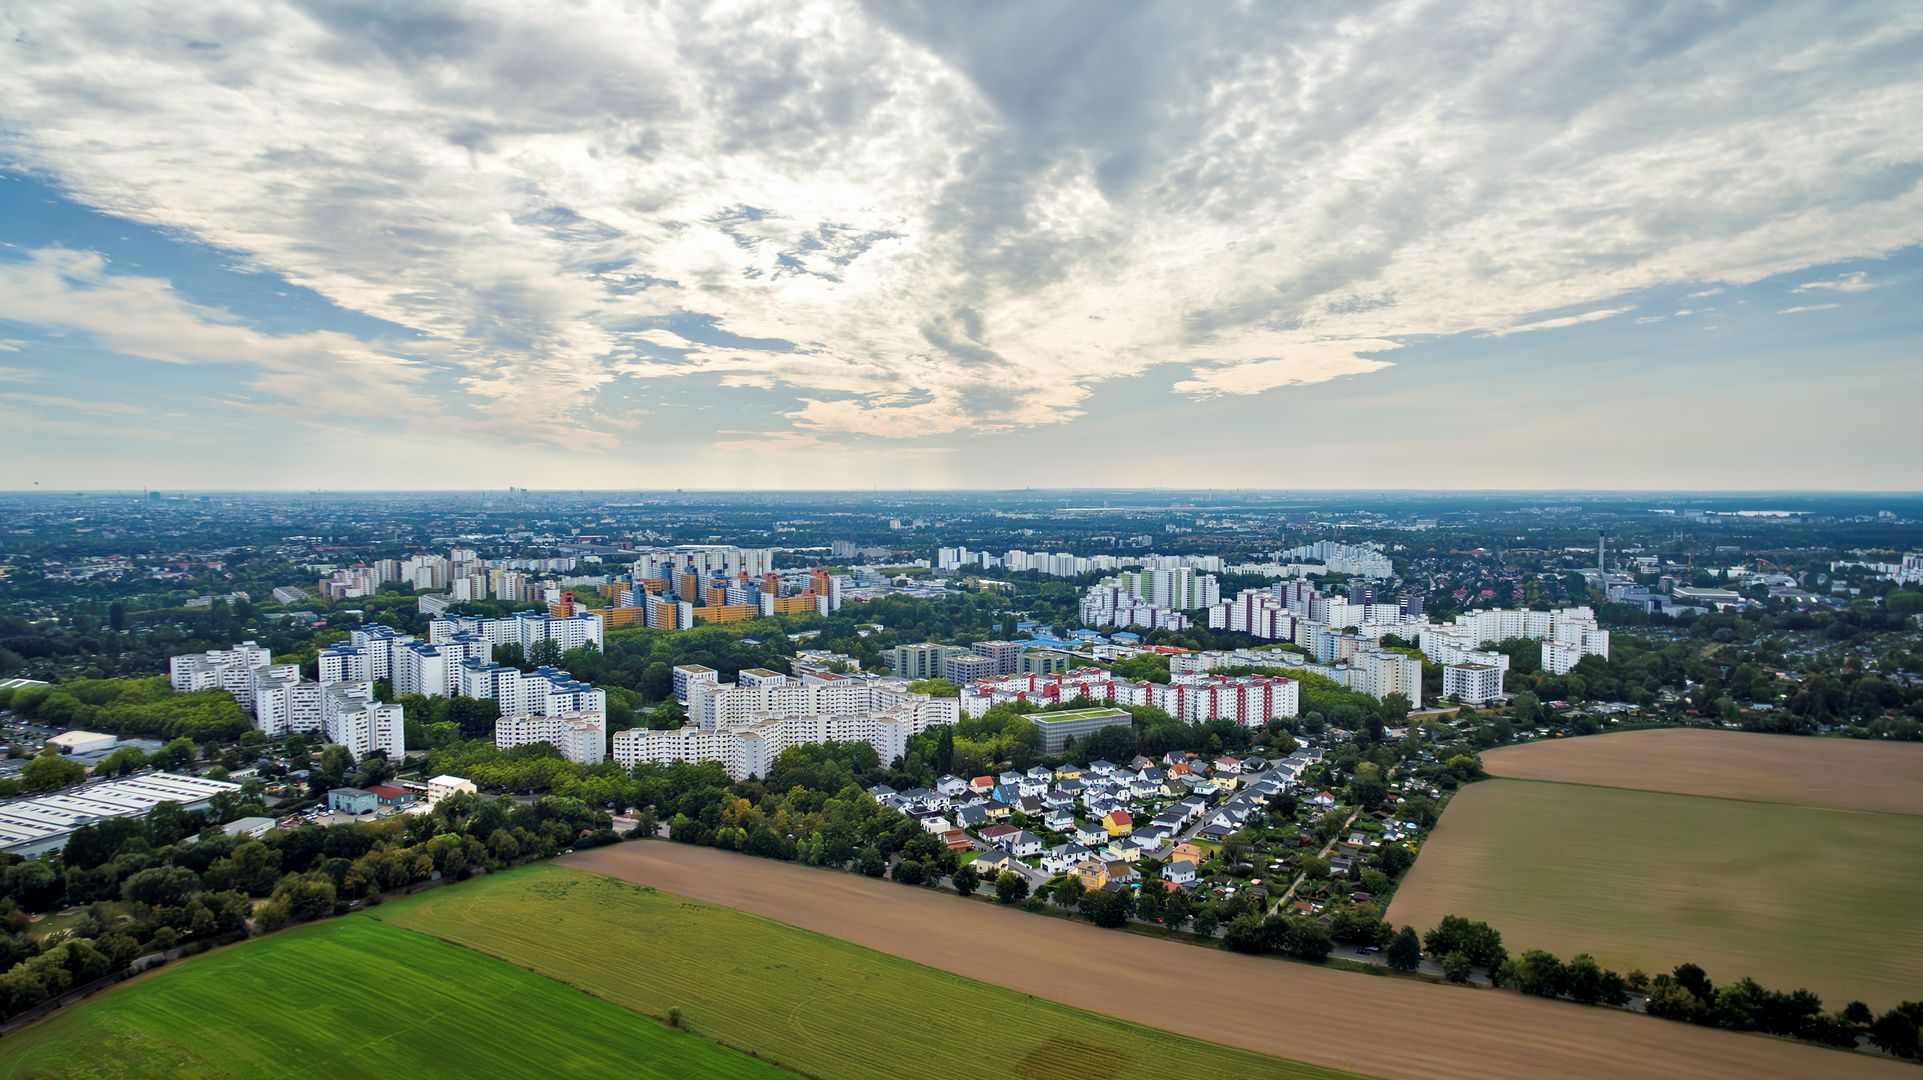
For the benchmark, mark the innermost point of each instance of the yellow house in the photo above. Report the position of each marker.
(1118, 823)
(1091, 872)
(1069, 772)
(994, 859)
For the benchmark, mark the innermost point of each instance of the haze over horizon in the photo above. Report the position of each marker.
(1622, 247)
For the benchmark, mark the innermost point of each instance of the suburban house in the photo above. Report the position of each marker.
(1092, 873)
(1118, 823)
(994, 859)
(1181, 872)
(1025, 845)
(998, 835)
(1091, 834)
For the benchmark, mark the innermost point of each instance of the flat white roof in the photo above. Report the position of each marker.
(45, 819)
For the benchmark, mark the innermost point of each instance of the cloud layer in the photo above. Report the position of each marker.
(918, 219)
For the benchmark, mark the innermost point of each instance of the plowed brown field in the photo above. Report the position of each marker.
(1381, 1026)
(1829, 774)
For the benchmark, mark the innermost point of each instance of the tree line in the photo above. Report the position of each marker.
(173, 877)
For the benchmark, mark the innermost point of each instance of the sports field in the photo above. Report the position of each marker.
(813, 1003)
(1378, 1026)
(1788, 895)
(1832, 774)
(353, 998)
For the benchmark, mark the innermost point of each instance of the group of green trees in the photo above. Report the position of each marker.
(146, 707)
(1685, 994)
(1688, 994)
(172, 877)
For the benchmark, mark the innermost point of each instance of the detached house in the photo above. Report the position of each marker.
(1092, 873)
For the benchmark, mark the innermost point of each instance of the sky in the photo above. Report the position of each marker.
(991, 245)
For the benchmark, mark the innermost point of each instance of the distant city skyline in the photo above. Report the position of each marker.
(836, 246)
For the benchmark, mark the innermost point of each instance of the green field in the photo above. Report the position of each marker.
(353, 998)
(814, 1003)
(1788, 895)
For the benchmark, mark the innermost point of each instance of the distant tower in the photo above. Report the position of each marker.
(1602, 569)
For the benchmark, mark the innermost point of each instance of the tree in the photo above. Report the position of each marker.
(117, 616)
(545, 653)
(1536, 971)
(1405, 952)
(1070, 892)
(1528, 708)
(1245, 934)
(335, 761)
(1151, 901)
(1584, 980)
(161, 886)
(50, 772)
(1105, 909)
(176, 754)
(967, 880)
(1895, 1031)
(909, 872)
(1369, 792)
(270, 917)
(871, 862)
(1456, 967)
(1010, 887)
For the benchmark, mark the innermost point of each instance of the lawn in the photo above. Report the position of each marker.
(817, 1004)
(1788, 895)
(352, 998)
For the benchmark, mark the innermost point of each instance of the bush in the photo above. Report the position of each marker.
(270, 917)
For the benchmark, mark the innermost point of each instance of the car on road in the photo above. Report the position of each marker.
(1368, 950)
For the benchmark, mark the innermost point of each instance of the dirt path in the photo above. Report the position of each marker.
(1281, 904)
(1379, 1026)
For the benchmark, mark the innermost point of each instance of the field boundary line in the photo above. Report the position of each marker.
(589, 993)
(1692, 795)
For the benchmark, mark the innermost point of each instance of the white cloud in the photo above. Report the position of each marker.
(1808, 307)
(1854, 282)
(97, 408)
(1568, 320)
(1303, 362)
(926, 219)
(136, 316)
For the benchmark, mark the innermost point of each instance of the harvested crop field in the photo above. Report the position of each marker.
(812, 1003)
(1787, 895)
(1833, 774)
(350, 998)
(1298, 1011)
